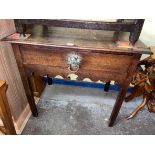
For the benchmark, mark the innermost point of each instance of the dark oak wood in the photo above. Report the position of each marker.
(5, 113)
(56, 57)
(83, 24)
(132, 26)
(134, 35)
(46, 51)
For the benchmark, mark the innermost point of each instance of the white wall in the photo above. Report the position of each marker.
(148, 32)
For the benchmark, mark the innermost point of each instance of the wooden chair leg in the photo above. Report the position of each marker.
(116, 34)
(134, 35)
(5, 111)
(20, 28)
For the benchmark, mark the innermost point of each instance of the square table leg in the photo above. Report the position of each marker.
(117, 105)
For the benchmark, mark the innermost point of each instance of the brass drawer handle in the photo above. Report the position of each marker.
(73, 61)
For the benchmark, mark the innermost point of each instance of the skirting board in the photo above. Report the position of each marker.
(23, 118)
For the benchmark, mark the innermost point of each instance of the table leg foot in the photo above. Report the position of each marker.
(110, 124)
(35, 113)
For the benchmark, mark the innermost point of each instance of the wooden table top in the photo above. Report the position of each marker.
(89, 39)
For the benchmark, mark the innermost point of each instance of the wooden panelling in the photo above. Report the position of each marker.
(7, 27)
(9, 72)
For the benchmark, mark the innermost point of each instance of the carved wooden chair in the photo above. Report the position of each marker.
(7, 126)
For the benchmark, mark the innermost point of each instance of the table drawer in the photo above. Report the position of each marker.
(90, 61)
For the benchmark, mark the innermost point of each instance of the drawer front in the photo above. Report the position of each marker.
(110, 65)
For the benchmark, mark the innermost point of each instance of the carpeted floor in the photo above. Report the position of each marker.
(70, 110)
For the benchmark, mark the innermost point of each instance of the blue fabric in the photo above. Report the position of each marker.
(85, 84)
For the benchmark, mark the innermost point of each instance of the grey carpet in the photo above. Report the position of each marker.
(70, 110)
